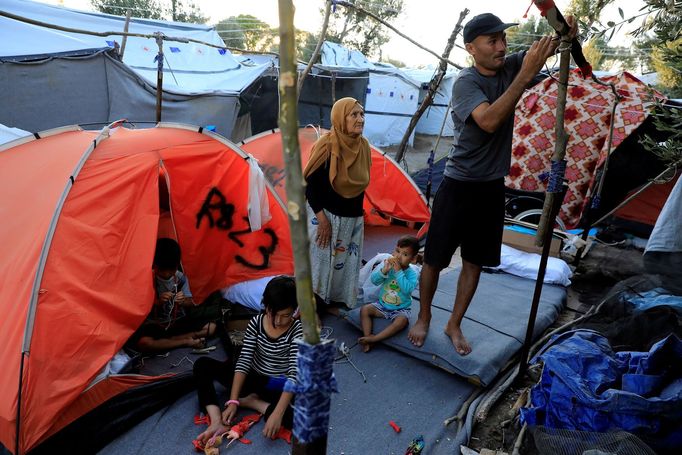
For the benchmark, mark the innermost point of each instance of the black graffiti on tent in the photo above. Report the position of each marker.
(274, 174)
(216, 204)
(265, 251)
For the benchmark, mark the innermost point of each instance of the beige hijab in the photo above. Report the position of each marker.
(350, 157)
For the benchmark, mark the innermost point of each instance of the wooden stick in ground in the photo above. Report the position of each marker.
(288, 123)
(398, 32)
(561, 140)
(316, 52)
(433, 86)
(125, 37)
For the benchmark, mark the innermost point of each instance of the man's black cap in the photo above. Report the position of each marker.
(484, 24)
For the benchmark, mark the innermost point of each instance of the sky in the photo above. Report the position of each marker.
(429, 22)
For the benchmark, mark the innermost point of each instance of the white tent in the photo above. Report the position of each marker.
(189, 68)
(392, 96)
(439, 110)
(8, 134)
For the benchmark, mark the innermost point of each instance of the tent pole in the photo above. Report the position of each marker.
(433, 86)
(125, 35)
(159, 74)
(315, 359)
(18, 423)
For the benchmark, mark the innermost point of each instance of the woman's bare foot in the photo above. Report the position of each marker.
(418, 332)
(455, 333)
(366, 343)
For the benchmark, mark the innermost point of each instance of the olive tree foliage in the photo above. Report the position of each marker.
(521, 37)
(148, 9)
(247, 32)
(177, 10)
(356, 30)
(663, 23)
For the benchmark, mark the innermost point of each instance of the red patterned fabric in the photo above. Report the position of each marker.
(587, 121)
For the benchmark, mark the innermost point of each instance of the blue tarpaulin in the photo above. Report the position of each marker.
(586, 386)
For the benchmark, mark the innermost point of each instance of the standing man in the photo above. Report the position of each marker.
(468, 209)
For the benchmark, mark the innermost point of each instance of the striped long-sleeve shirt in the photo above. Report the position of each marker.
(269, 356)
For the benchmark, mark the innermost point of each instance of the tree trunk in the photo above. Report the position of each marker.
(288, 121)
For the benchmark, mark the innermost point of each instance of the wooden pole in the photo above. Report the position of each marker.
(553, 199)
(316, 53)
(547, 223)
(398, 32)
(295, 184)
(159, 75)
(433, 86)
(125, 36)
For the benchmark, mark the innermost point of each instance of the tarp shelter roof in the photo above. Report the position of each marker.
(391, 192)
(587, 122)
(190, 68)
(439, 110)
(81, 213)
(392, 96)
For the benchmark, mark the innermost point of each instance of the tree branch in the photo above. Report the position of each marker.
(399, 33)
(433, 86)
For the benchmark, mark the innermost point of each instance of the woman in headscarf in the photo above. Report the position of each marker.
(337, 174)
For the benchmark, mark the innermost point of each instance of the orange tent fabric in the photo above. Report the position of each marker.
(391, 192)
(646, 206)
(79, 230)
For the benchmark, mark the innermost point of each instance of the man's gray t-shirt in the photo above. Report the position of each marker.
(477, 156)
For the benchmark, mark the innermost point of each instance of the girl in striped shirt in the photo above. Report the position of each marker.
(266, 362)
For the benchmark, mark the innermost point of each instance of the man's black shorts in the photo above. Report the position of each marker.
(469, 215)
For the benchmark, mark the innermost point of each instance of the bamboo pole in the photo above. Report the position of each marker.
(398, 32)
(433, 86)
(316, 52)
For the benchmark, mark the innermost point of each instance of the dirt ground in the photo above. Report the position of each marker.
(597, 272)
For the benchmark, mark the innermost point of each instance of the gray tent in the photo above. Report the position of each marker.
(52, 78)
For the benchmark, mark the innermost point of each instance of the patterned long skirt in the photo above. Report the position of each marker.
(335, 268)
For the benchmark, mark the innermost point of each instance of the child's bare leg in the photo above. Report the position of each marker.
(367, 312)
(253, 401)
(396, 326)
(149, 344)
(206, 331)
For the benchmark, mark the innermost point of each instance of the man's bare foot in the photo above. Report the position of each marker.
(418, 332)
(366, 343)
(455, 333)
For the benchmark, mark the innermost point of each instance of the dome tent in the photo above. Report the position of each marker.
(76, 269)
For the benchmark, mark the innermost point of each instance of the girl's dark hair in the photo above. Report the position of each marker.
(280, 294)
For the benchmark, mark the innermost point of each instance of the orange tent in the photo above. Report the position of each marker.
(80, 213)
(391, 192)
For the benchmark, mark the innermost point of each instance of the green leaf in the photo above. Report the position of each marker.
(620, 11)
(610, 23)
